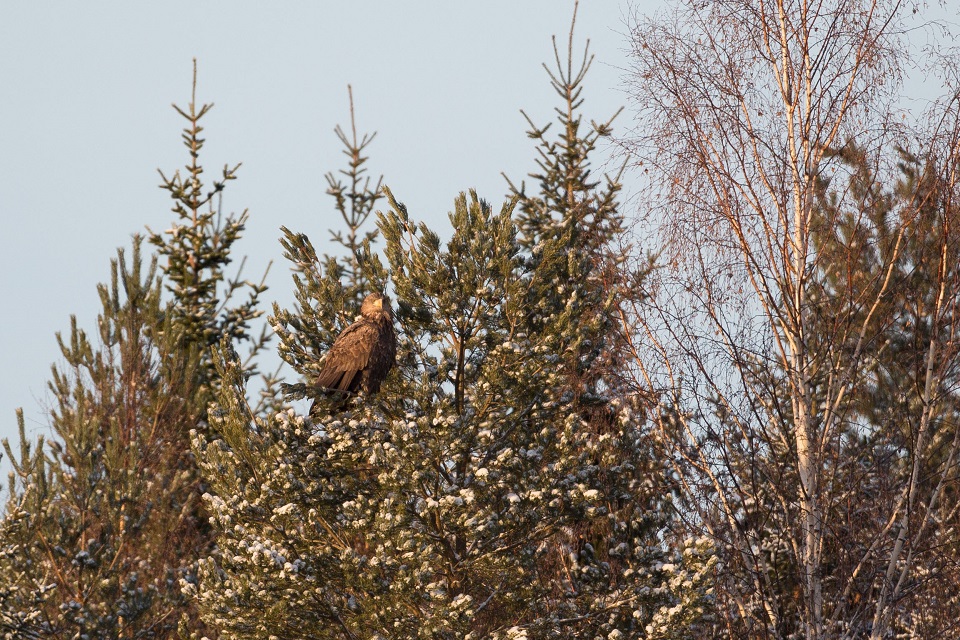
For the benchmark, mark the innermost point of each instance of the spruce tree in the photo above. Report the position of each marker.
(330, 288)
(197, 249)
(355, 197)
(572, 232)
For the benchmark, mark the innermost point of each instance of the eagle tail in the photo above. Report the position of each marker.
(336, 380)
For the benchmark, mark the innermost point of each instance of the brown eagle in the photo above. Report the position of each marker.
(363, 353)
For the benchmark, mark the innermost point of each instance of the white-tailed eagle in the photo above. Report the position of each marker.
(363, 353)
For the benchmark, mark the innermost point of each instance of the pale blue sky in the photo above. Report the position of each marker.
(86, 121)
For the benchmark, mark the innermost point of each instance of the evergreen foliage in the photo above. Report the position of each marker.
(104, 520)
(500, 484)
(101, 523)
(355, 200)
(504, 483)
(329, 291)
(570, 229)
(468, 499)
(198, 248)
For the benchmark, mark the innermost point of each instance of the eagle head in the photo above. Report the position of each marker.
(374, 305)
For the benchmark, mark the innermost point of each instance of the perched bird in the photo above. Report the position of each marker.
(362, 355)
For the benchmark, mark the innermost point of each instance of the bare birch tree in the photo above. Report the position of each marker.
(761, 358)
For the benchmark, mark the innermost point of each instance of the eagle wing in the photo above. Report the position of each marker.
(382, 357)
(348, 357)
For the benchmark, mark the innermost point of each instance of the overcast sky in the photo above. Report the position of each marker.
(86, 122)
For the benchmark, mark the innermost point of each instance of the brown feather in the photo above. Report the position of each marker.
(363, 353)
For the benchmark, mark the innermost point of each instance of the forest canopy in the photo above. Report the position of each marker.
(722, 407)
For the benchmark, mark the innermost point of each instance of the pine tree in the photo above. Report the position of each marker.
(104, 522)
(21, 598)
(904, 411)
(101, 523)
(500, 484)
(449, 504)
